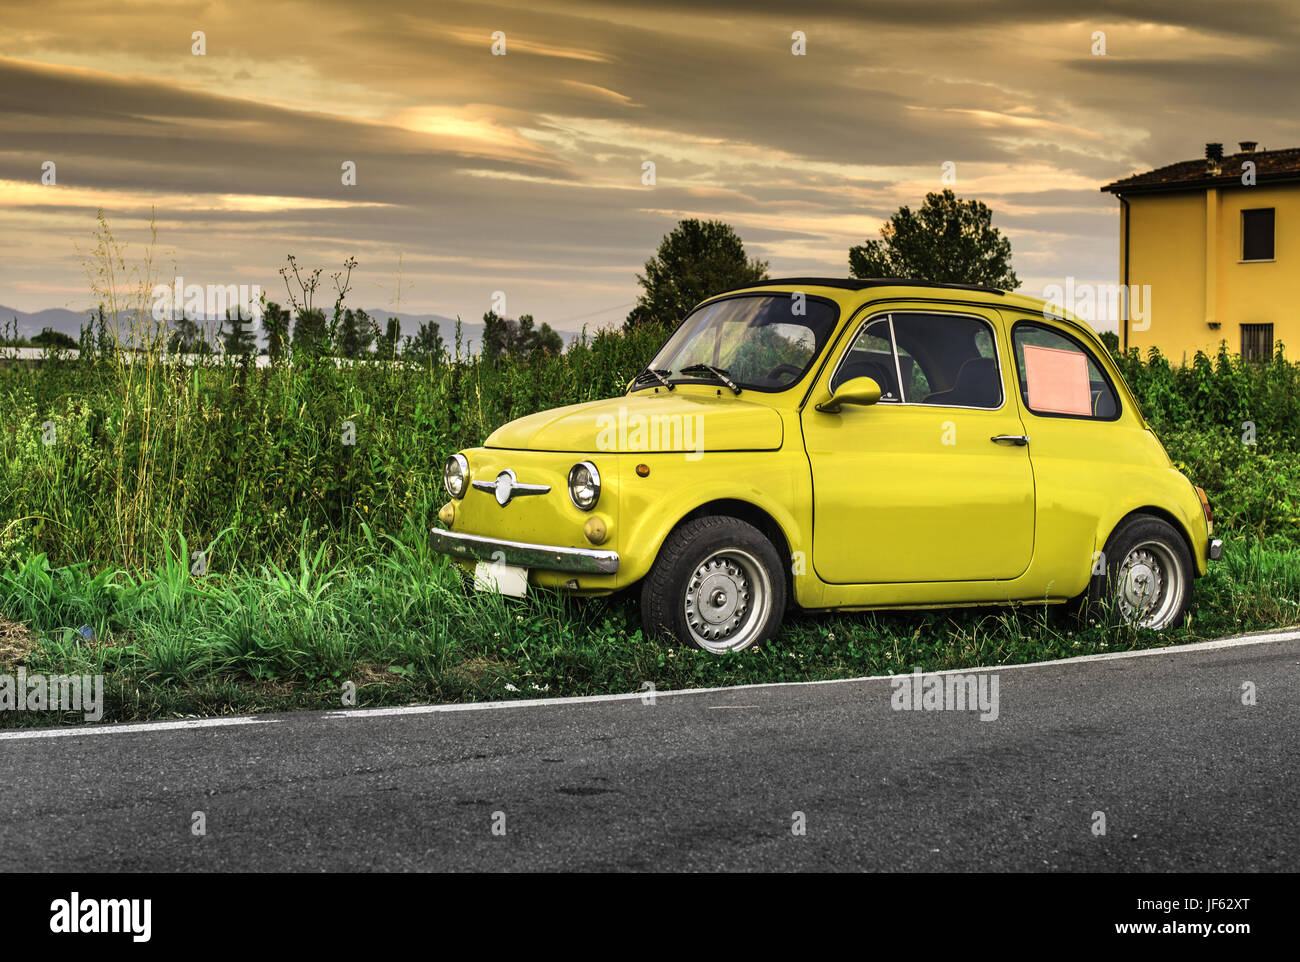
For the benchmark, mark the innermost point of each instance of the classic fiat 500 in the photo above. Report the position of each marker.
(842, 444)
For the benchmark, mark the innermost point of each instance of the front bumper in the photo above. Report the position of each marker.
(548, 557)
(1216, 549)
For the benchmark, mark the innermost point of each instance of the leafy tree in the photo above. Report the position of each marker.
(356, 333)
(54, 340)
(309, 331)
(500, 336)
(948, 240)
(545, 340)
(506, 337)
(427, 343)
(696, 260)
(386, 345)
(185, 338)
(239, 339)
(275, 320)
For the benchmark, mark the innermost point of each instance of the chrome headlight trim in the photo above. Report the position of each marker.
(592, 486)
(455, 475)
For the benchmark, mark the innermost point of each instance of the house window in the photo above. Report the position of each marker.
(1257, 234)
(1257, 342)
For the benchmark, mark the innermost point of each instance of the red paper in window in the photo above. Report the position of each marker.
(1057, 380)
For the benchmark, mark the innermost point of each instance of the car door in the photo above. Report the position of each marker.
(933, 483)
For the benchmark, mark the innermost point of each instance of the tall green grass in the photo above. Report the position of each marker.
(399, 625)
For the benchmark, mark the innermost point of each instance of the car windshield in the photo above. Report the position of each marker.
(763, 342)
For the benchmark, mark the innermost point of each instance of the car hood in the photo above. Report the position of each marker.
(648, 423)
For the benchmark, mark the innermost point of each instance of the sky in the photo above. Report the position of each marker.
(523, 173)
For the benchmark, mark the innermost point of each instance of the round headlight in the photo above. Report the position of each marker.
(584, 485)
(455, 475)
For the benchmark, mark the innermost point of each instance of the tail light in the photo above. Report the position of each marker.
(1205, 506)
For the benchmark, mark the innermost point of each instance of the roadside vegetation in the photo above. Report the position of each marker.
(216, 536)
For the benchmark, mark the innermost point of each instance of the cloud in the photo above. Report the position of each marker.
(524, 171)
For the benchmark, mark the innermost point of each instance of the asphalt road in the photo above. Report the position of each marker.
(1188, 778)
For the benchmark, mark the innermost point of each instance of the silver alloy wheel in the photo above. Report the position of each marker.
(1150, 586)
(728, 600)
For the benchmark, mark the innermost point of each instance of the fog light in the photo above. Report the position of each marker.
(595, 530)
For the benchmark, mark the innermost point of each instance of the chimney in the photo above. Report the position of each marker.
(1247, 146)
(1213, 154)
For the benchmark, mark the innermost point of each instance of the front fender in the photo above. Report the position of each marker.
(773, 482)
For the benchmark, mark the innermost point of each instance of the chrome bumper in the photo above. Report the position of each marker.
(1216, 549)
(548, 557)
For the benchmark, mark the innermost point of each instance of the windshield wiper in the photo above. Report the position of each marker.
(719, 372)
(650, 372)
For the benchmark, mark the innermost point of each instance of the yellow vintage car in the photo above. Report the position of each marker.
(841, 445)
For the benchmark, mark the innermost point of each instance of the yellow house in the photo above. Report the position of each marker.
(1214, 245)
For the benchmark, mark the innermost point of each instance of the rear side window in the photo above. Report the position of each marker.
(1059, 377)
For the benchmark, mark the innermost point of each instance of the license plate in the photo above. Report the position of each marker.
(502, 579)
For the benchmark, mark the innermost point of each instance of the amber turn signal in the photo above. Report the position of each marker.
(1205, 506)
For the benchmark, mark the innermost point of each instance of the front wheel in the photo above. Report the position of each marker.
(718, 584)
(1148, 579)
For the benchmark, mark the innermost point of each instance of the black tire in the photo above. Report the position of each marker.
(718, 585)
(1148, 576)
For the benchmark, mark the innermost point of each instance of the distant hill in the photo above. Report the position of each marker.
(58, 318)
(71, 322)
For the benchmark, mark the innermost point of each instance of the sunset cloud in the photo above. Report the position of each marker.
(523, 172)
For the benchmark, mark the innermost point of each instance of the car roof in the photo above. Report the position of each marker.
(863, 283)
(981, 293)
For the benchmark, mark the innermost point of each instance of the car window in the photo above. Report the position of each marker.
(1059, 377)
(764, 342)
(871, 355)
(951, 359)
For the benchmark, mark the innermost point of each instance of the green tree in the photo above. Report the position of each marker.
(275, 320)
(356, 333)
(309, 331)
(500, 336)
(546, 340)
(54, 340)
(696, 260)
(239, 339)
(185, 337)
(427, 344)
(948, 240)
(386, 344)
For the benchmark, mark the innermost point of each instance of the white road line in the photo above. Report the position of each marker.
(1239, 641)
(167, 726)
(1259, 638)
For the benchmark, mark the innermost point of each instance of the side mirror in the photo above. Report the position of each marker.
(857, 390)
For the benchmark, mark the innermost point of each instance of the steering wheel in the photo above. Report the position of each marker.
(777, 371)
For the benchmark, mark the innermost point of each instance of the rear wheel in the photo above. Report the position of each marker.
(718, 584)
(1149, 572)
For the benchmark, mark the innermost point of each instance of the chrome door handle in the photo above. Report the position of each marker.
(1020, 440)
